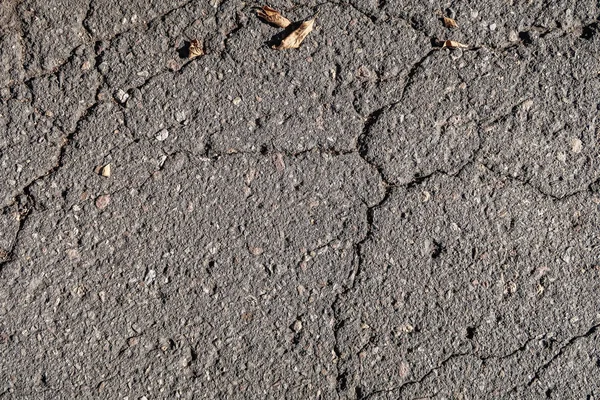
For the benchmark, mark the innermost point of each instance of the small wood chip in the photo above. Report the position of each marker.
(449, 23)
(272, 16)
(195, 49)
(451, 44)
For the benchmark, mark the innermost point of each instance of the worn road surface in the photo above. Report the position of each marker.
(370, 216)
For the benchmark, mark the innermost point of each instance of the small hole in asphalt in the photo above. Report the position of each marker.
(470, 332)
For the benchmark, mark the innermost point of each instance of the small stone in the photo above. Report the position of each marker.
(105, 171)
(72, 254)
(257, 251)
(180, 116)
(103, 67)
(102, 201)
(279, 163)
(173, 65)
(540, 289)
(121, 96)
(576, 145)
(425, 196)
(297, 326)
(79, 290)
(165, 344)
(150, 276)
(237, 101)
(510, 287)
(527, 104)
(161, 160)
(162, 135)
(492, 27)
(247, 317)
(403, 369)
(566, 257)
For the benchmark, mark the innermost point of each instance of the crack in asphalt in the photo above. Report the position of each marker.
(92, 39)
(417, 381)
(84, 22)
(570, 342)
(374, 19)
(527, 183)
(560, 352)
(67, 139)
(361, 150)
(536, 376)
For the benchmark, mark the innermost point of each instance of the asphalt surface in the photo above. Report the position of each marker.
(367, 216)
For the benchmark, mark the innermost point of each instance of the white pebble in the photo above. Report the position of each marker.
(150, 276)
(162, 135)
(122, 96)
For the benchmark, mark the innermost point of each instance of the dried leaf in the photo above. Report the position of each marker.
(451, 44)
(195, 49)
(449, 22)
(294, 39)
(272, 16)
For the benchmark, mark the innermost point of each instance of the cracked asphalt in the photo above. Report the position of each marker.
(369, 216)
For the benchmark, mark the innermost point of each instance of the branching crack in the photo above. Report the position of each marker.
(93, 39)
(527, 182)
(560, 352)
(27, 190)
(400, 388)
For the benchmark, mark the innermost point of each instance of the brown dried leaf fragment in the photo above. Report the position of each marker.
(272, 16)
(451, 44)
(195, 49)
(449, 23)
(294, 39)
